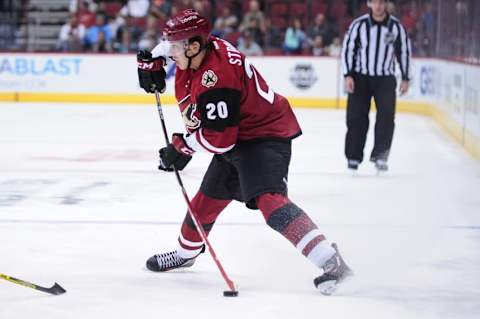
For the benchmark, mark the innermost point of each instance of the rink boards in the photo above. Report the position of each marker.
(448, 91)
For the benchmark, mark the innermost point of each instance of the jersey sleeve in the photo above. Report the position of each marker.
(350, 48)
(403, 52)
(219, 110)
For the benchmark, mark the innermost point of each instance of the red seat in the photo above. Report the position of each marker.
(344, 23)
(279, 9)
(299, 9)
(338, 9)
(319, 7)
(279, 22)
(233, 37)
(112, 8)
(219, 8)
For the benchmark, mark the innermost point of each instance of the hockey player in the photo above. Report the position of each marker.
(230, 111)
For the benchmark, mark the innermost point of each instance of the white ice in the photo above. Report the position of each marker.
(81, 203)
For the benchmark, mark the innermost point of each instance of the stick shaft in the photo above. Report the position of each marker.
(201, 231)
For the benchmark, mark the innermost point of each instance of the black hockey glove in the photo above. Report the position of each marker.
(151, 74)
(177, 154)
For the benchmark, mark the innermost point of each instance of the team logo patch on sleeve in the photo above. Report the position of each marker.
(209, 79)
(189, 118)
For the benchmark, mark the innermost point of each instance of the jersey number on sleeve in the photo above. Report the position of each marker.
(220, 109)
(250, 70)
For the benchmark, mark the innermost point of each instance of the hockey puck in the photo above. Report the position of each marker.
(230, 293)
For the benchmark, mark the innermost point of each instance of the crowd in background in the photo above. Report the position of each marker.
(257, 27)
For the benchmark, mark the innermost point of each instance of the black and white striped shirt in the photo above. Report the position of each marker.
(369, 47)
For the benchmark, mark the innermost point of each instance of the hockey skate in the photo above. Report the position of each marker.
(381, 165)
(169, 261)
(335, 271)
(353, 164)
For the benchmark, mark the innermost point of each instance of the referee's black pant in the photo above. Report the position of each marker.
(382, 89)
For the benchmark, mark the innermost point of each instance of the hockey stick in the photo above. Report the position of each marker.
(233, 292)
(54, 290)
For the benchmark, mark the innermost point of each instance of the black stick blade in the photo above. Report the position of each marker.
(57, 289)
(230, 293)
(54, 290)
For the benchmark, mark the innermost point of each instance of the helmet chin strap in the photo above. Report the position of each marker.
(190, 58)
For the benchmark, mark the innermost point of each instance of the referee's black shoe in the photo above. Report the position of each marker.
(380, 164)
(353, 164)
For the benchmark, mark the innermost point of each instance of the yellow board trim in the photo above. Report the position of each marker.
(8, 97)
(464, 137)
(472, 144)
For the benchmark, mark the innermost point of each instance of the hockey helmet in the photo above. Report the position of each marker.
(186, 25)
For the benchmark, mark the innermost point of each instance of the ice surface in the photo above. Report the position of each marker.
(81, 203)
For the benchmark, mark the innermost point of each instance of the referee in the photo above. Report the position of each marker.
(371, 45)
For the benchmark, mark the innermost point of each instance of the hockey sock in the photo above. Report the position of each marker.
(207, 209)
(289, 220)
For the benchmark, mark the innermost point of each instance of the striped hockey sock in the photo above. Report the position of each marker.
(207, 209)
(289, 220)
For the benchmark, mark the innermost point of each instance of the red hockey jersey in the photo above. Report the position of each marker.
(226, 100)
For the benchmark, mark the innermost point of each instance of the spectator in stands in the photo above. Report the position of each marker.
(115, 24)
(428, 19)
(134, 12)
(428, 25)
(203, 7)
(99, 32)
(102, 45)
(149, 39)
(335, 49)
(161, 9)
(254, 21)
(295, 38)
(318, 49)
(124, 43)
(71, 36)
(237, 9)
(322, 27)
(247, 44)
(174, 11)
(409, 18)
(75, 5)
(135, 8)
(226, 23)
(272, 37)
(85, 15)
(391, 9)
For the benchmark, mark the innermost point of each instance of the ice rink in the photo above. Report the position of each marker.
(81, 203)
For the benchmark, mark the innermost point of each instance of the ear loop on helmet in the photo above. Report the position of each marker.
(190, 58)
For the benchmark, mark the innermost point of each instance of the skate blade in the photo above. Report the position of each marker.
(328, 287)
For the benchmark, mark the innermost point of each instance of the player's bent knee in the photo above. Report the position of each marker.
(269, 203)
(208, 208)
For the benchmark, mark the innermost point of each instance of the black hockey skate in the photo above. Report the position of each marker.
(353, 164)
(335, 271)
(169, 261)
